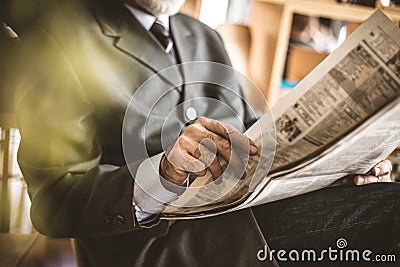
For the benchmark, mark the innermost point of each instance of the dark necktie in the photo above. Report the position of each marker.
(162, 35)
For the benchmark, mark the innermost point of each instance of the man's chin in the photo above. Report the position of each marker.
(161, 7)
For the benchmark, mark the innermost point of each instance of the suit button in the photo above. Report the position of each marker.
(120, 219)
(191, 113)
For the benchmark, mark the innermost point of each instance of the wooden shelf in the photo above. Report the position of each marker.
(332, 9)
(275, 62)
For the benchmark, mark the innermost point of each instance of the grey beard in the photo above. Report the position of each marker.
(161, 7)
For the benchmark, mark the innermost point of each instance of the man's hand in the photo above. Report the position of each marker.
(379, 173)
(203, 146)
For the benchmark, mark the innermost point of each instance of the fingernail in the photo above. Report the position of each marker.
(377, 171)
(360, 180)
(253, 149)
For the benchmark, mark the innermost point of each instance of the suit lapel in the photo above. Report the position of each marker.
(185, 45)
(183, 37)
(117, 22)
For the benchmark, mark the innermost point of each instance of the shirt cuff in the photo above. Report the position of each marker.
(150, 197)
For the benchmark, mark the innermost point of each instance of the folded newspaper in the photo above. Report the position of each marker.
(340, 120)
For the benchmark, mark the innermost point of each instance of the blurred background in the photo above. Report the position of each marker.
(275, 42)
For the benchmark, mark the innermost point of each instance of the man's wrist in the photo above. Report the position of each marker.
(149, 193)
(170, 174)
(177, 189)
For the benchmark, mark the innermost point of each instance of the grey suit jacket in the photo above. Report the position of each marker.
(82, 64)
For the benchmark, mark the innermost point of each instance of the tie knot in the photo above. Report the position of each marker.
(158, 26)
(160, 32)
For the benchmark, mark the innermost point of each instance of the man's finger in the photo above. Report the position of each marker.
(196, 139)
(207, 152)
(193, 165)
(369, 179)
(228, 132)
(236, 159)
(348, 180)
(382, 168)
(200, 173)
(200, 135)
(182, 159)
(215, 169)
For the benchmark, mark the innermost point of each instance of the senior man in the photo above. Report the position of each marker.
(83, 63)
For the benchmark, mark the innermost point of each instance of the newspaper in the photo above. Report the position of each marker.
(342, 119)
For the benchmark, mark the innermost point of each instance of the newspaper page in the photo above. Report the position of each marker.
(341, 119)
(356, 153)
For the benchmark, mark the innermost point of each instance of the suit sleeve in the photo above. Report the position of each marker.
(72, 194)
